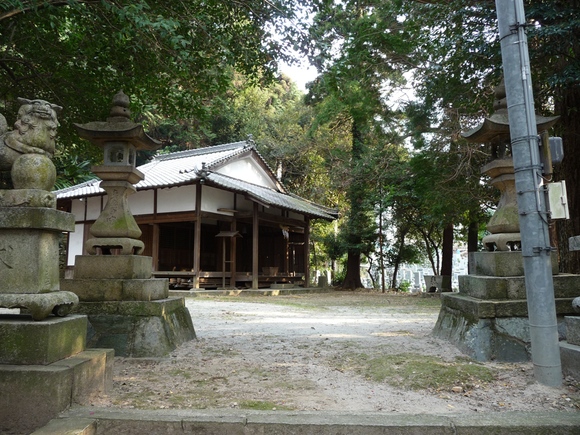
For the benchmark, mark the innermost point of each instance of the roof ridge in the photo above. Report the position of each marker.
(201, 151)
(77, 186)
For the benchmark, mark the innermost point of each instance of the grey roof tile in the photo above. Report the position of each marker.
(167, 170)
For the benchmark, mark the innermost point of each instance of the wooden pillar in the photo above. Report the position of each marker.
(155, 247)
(255, 239)
(197, 237)
(287, 255)
(233, 250)
(306, 251)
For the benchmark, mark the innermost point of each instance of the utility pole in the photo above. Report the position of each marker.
(533, 215)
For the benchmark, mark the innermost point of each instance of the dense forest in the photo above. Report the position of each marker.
(376, 134)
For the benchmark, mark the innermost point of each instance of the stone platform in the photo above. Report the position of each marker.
(127, 309)
(487, 319)
(570, 348)
(40, 343)
(44, 369)
(138, 328)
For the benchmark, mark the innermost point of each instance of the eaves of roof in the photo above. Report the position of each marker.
(271, 197)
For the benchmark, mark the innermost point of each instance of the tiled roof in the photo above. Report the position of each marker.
(270, 196)
(166, 170)
(174, 169)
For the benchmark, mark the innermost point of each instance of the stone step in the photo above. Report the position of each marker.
(573, 329)
(35, 394)
(570, 357)
(487, 309)
(69, 426)
(513, 288)
(322, 423)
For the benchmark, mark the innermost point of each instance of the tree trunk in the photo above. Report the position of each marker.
(447, 258)
(472, 236)
(397, 262)
(381, 250)
(356, 217)
(394, 277)
(352, 279)
(568, 107)
(472, 242)
(369, 271)
(432, 252)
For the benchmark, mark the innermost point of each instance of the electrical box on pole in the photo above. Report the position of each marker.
(558, 200)
(551, 153)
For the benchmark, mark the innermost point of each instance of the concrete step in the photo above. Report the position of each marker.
(570, 357)
(69, 426)
(238, 422)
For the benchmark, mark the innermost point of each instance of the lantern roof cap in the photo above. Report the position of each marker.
(118, 127)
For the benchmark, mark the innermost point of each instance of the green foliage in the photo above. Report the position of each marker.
(405, 286)
(71, 170)
(171, 58)
(359, 48)
(554, 42)
(334, 246)
(457, 54)
(261, 405)
(420, 372)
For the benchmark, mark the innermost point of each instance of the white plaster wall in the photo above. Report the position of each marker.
(94, 207)
(248, 170)
(142, 202)
(75, 244)
(176, 199)
(244, 204)
(212, 199)
(78, 209)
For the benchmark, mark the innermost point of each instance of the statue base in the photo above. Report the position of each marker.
(488, 318)
(45, 368)
(138, 328)
(40, 306)
(29, 257)
(127, 309)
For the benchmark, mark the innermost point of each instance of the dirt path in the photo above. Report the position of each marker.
(335, 351)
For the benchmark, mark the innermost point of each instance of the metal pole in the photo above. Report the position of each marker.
(536, 250)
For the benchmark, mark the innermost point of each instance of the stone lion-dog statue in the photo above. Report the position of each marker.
(26, 151)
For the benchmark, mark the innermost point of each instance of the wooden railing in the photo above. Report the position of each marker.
(184, 279)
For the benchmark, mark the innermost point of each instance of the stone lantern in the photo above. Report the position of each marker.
(127, 309)
(504, 225)
(120, 139)
(488, 317)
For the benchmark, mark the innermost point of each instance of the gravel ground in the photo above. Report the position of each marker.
(331, 351)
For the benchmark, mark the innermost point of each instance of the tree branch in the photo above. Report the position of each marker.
(32, 6)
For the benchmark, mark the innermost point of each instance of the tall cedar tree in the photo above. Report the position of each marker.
(359, 48)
